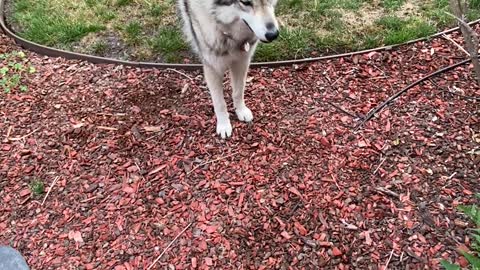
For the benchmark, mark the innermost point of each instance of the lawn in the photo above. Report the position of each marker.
(148, 30)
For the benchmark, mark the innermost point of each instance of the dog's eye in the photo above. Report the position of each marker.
(246, 3)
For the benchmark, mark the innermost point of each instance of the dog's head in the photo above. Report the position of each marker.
(258, 15)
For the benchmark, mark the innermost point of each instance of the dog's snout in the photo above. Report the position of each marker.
(272, 32)
(272, 35)
(270, 26)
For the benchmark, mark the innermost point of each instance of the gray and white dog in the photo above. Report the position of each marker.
(224, 35)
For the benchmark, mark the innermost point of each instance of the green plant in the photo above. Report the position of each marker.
(14, 71)
(473, 212)
(133, 32)
(122, 3)
(169, 42)
(36, 186)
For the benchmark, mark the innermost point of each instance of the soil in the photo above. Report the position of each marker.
(129, 158)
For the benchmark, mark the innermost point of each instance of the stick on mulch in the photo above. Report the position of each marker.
(24, 136)
(372, 113)
(387, 191)
(211, 161)
(50, 189)
(169, 245)
(342, 110)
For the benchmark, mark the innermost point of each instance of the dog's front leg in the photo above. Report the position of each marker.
(214, 81)
(238, 75)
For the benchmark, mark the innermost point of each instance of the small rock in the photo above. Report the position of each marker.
(280, 200)
(178, 187)
(11, 259)
(309, 242)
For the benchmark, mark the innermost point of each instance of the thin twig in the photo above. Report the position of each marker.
(456, 44)
(89, 199)
(413, 255)
(111, 114)
(50, 189)
(107, 128)
(451, 176)
(389, 258)
(387, 191)
(462, 96)
(181, 73)
(453, 92)
(342, 110)
(373, 112)
(9, 131)
(335, 181)
(168, 246)
(23, 137)
(379, 165)
(154, 136)
(211, 161)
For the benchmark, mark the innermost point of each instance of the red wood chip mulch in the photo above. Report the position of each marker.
(136, 160)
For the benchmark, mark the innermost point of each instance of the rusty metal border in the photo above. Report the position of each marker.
(53, 52)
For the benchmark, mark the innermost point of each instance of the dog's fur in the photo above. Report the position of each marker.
(224, 35)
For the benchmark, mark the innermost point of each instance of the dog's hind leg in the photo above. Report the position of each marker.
(214, 80)
(238, 75)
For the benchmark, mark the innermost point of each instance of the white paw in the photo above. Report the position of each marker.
(244, 114)
(224, 129)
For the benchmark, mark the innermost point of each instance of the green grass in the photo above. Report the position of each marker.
(149, 30)
(393, 4)
(46, 24)
(398, 30)
(133, 32)
(169, 42)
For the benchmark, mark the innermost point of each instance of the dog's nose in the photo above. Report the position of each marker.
(272, 35)
(272, 32)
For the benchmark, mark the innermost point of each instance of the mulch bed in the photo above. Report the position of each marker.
(135, 160)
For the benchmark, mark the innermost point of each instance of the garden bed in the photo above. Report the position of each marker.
(132, 159)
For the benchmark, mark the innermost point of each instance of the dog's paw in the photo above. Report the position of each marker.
(224, 129)
(244, 114)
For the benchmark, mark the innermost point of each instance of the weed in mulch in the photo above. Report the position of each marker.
(37, 187)
(470, 257)
(14, 71)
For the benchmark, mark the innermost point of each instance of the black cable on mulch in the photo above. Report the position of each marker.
(372, 113)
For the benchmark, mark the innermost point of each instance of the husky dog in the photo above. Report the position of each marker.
(224, 35)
